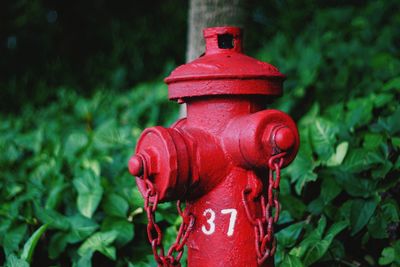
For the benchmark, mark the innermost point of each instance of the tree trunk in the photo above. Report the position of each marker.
(209, 13)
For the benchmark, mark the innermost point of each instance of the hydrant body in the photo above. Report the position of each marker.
(221, 158)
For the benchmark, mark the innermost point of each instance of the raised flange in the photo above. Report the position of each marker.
(165, 161)
(224, 70)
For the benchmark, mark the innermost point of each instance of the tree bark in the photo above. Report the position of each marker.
(209, 13)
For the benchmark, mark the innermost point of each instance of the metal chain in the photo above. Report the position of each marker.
(154, 232)
(265, 242)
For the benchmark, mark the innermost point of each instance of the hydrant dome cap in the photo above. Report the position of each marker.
(224, 69)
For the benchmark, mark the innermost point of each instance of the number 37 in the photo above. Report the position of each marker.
(210, 215)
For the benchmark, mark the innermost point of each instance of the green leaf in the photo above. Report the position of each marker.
(55, 193)
(11, 153)
(126, 187)
(337, 158)
(316, 206)
(100, 242)
(52, 218)
(309, 117)
(319, 248)
(30, 245)
(335, 229)
(291, 261)
(83, 109)
(14, 261)
(381, 99)
(382, 170)
(358, 187)
(345, 210)
(4, 227)
(58, 243)
(84, 261)
(124, 228)
(322, 133)
(336, 251)
(387, 256)
(397, 164)
(372, 140)
(108, 135)
(315, 245)
(359, 160)
(294, 205)
(115, 205)
(377, 226)
(92, 165)
(393, 122)
(81, 228)
(76, 141)
(13, 238)
(311, 239)
(392, 84)
(31, 141)
(396, 141)
(329, 189)
(361, 212)
(285, 217)
(389, 124)
(289, 235)
(301, 170)
(360, 112)
(391, 210)
(315, 252)
(90, 192)
(309, 62)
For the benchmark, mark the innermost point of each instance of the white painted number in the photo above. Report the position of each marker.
(210, 222)
(210, 215)
(232, 220)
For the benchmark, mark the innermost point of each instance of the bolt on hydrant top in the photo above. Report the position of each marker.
(224, 70)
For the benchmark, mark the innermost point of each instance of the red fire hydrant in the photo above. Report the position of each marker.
(223, 160)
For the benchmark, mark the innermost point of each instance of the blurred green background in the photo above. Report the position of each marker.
(79, 81)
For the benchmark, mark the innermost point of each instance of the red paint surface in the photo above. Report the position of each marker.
(221, 148)
(224, 71)
(284, 138)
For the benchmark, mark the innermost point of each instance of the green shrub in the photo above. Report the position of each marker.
(340, 196)
(67, 198)
(65, 166)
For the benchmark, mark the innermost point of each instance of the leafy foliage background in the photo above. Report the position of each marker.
(67, 199)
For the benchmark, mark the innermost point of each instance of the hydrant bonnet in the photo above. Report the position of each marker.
(224, 70)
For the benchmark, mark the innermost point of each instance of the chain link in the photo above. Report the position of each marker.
(175, 252)
(265, 242)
